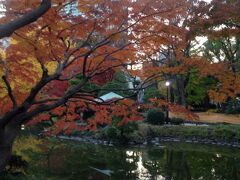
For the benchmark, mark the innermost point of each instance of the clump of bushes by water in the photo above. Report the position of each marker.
(119, 133)
(155, 117)
(158, 117)
(146, 131)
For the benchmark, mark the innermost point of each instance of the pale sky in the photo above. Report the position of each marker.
(207, 1)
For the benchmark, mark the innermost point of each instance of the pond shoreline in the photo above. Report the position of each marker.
(155, 141)
(220, 135)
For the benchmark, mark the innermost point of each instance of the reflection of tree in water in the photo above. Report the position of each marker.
(185, 165)
(214, 166)
(153, 161)
(167, 163)
(176, 166)
(77, 161)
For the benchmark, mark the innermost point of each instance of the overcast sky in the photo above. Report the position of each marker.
(207, 0)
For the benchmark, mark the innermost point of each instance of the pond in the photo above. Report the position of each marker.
(170, 161)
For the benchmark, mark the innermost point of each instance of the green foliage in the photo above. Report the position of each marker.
(119, 134)
(87, 86)
(233, 107)
(222, 49)
(155, 117)
(144, 130)
(118, 85)
(112, 133)
(197, 88)
(176, 121)
(128, 128)
(224, 132)
(213, 49)
(23, 148)
(152, 92)
(26, 143)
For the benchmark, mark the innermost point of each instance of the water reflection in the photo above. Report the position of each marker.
(141, 172)
(175, 162)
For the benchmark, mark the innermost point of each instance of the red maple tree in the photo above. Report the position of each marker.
(51, 42)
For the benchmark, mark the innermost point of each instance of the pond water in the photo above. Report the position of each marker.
(170, 161)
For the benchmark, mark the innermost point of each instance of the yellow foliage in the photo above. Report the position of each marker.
(2, 54)
(51, 67)
(3, 91)
(13, 41)
(26, 143)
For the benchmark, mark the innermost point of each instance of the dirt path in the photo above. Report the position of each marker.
(217, 117)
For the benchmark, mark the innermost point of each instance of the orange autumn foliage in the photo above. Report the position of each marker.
(94, 39)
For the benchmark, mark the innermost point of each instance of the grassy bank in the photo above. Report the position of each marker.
(223, 134)
(214, 132)
(142, 132)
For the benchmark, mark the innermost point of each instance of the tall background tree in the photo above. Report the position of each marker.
(175, 52)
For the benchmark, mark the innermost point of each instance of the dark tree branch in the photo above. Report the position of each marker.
(25, 117)
(9, 90)
(8, 29)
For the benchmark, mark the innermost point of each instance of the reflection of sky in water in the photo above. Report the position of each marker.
(141, 171)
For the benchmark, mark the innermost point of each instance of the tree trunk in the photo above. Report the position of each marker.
(181, 91)
(7, 137)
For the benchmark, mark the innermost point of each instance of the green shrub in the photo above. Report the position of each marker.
(135, 136)
(176, 121)
(224, 132)
(144, 130)
(119, 134)
(155, 117)
(128, 128)
(112, 133)
(233, 107)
